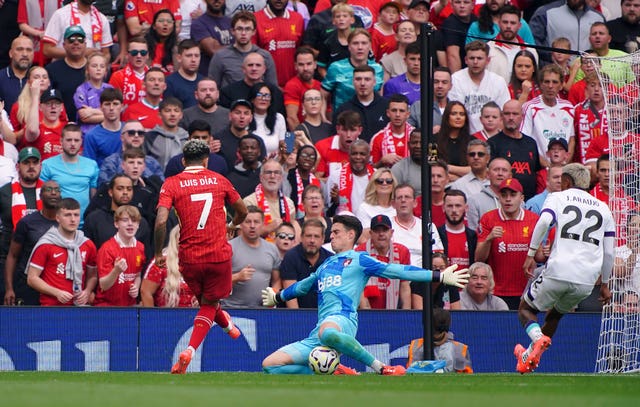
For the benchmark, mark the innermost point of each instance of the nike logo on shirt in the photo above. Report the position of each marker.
(55, 256)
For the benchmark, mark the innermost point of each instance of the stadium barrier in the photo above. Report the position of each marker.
(149, 339)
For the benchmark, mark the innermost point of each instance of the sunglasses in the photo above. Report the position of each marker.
(382, 181)
(476, 154)
(289, 236)
(134, 133)
(76, 39)
(136, 52)
(266, 96)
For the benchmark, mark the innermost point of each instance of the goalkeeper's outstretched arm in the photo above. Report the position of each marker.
(449, 276)
(297, 289)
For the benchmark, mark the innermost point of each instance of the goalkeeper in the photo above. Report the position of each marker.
(341, 280)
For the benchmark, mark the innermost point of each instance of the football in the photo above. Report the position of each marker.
(323, 360)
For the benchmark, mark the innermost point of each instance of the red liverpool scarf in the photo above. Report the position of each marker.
(346, 185)
(19, 204)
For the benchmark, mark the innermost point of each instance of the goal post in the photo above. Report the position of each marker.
(619, 340)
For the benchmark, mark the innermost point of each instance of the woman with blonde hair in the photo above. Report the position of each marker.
(20, 109)
(378, 199)
(164, 286)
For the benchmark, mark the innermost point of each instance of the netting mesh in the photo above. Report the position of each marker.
(619, 341)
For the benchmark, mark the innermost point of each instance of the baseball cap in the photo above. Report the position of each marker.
(28, 152)
(380, 220)
(415, 3)
(74, 30)
(512, 184)
(560, 141)
(241, 102)
(51, 94)
(391, 4)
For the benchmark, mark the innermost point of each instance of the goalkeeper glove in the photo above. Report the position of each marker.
(269, 297)
(452, 276)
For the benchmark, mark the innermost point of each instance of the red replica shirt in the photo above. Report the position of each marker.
(48, 143)
(144, 113)
(159, 275)
(294, 91)
(146, 9)
(378, 289)
(508, 252)
(280, 36)
(331, 157)
(590, 124)
(199, 196)
(382, 44)
(52, 259)
(18, 125)
(458, 248)
(118, 294)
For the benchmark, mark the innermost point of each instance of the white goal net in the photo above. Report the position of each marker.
(619, 341)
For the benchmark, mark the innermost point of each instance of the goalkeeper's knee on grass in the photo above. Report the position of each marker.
(346, 344)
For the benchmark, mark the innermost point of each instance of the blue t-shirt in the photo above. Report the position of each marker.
(99, 143)
(75, 179)
(182, 89)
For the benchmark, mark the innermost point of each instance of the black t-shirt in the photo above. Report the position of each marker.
(112, 9)
(229, 148)
(66, 79)
(624, 36)
(315, 133)
(454, 32)
(245, 182)
(523, 155)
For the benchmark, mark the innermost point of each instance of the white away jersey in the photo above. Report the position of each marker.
(582, 223)
(542, 122)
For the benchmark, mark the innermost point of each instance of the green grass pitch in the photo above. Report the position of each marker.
(256, 389)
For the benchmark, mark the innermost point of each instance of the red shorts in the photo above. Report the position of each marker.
(209, 280)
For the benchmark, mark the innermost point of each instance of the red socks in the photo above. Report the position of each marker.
(203, 323)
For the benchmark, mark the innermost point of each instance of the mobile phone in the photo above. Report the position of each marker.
(289, 141)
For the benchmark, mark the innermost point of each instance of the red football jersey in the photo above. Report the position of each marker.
(280, 36)
(199, 197)
(508, 252)
(458, 248)
(146, 9)
(48, 143)
(118, 294)
(144, 113)
(52, 259)
(294, 92)
(159, 275)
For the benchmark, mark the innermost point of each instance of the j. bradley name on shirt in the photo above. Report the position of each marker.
(201, 181)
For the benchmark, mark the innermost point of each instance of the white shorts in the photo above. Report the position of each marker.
(543, 293)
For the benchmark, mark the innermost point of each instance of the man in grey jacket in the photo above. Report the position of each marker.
(571, 19)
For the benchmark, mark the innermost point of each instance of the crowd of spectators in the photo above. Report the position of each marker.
(310, 109)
